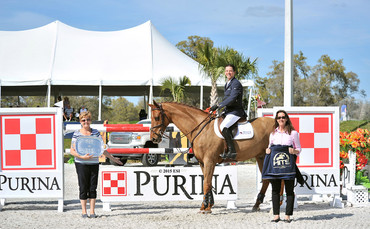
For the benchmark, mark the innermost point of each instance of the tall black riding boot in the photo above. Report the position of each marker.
(231, 152)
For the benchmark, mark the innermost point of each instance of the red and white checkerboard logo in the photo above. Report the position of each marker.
(27, 142)
(114, 183)
(316, 136)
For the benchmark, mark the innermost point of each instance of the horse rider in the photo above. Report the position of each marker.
(233, 109)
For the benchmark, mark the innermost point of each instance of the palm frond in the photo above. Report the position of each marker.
(177, 89)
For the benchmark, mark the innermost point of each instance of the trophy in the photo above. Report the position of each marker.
(90, 145)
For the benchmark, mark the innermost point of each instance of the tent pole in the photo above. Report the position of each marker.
(100, 101)
(249, 102)
(48, 93)
(201, 96)
(0, 92)
(145, 103)
(150, 100)
(152, 72)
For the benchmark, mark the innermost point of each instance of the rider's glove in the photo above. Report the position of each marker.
(214, 107)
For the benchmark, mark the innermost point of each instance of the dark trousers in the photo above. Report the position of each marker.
(87, 180)
(289, 190)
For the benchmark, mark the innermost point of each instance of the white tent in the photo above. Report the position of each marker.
(58, 55)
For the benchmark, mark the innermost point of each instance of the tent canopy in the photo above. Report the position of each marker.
(57, 59)
(69, 56)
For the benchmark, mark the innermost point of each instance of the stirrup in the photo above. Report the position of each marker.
(228, 155)
(232, 156)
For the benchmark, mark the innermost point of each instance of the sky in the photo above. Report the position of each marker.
(337, 28)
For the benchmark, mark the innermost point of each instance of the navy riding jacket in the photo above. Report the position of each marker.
(233, 98)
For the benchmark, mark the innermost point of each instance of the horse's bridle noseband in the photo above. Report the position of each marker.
(163, 115)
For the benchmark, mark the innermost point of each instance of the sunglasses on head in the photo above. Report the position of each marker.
(85, 120)
(281, 117)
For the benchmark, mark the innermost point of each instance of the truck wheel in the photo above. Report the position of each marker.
(123, 160)
(150, 159)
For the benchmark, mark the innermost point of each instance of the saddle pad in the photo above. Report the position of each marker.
(244, 131)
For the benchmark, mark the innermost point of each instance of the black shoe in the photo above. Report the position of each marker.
(275, 220)
(288, 220)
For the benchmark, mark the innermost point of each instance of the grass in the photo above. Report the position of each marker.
(352, 125)
(67, 143)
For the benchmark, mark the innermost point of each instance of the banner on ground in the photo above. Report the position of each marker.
(165, 184)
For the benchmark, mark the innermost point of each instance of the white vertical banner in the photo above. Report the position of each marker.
(318, 129)
(31, 153)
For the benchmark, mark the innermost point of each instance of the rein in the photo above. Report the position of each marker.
(210, 117)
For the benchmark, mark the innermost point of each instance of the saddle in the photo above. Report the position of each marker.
(233, 128)
(242, 129)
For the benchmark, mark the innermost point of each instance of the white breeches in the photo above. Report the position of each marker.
(229, 120)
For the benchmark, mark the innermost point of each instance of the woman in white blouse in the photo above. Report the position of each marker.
(283, 135)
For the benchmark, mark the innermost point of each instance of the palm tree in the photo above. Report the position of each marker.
(177, 89)
(212, 62)
(244, 67)
(209, 63)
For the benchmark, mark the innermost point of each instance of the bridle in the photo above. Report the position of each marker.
(210, 117)
(163, 115)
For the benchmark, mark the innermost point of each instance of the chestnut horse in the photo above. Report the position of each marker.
(207, 146)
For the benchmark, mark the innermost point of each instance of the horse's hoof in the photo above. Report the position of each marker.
(207, 212)
(204, 212)
(255, 209)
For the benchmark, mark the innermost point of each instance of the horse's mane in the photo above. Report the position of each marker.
(252, 120)
(186, 105)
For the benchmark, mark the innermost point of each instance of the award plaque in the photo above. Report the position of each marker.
(90, 145)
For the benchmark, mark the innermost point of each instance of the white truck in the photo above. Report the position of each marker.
(136, 140)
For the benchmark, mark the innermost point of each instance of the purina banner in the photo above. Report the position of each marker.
(31, 153)
(318, 129)
(165, 184)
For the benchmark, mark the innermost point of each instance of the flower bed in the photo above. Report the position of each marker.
(359, 142)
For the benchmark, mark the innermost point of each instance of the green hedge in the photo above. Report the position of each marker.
(352, 125)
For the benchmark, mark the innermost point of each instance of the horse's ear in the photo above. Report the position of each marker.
(151, 106)
(155, 103)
